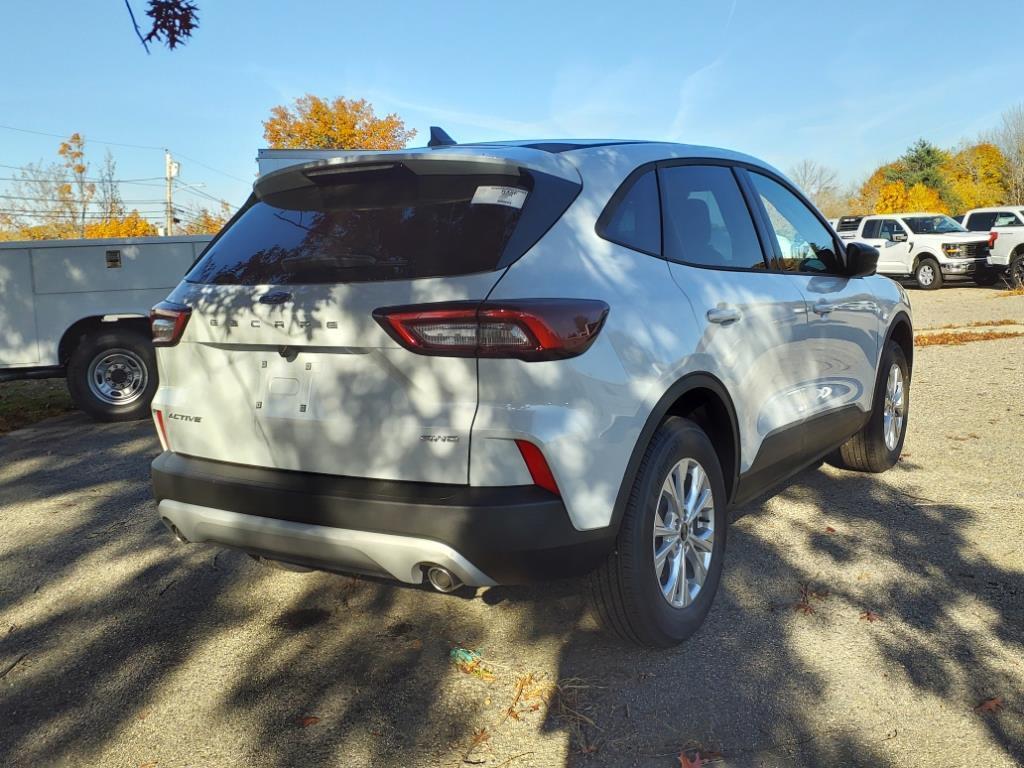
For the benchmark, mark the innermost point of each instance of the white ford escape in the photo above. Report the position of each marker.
(497, 363)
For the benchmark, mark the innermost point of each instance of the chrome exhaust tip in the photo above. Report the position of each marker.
(442, 579)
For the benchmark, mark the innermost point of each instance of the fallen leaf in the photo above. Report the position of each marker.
(143, 714)
(990, 705)
(686, 762)
(803, 607)
(308, 720)
(870, 616)
(416, 644)
(149, 765)
(830, 529)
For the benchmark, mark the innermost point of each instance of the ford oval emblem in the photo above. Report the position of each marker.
(275, 297)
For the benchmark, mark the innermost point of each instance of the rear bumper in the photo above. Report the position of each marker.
(494, 535)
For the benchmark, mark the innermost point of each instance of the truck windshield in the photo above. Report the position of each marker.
(932, 225)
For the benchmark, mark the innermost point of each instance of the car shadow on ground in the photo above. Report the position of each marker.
(323, 668)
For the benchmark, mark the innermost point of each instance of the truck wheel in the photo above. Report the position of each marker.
(928, 275)
(656, 587)
(112, 375)
(879, 443)
(986, 277)
(1016, 271)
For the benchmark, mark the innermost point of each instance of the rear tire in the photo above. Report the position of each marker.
(927, 274)
(877, 446)
(636, 597)
(112, 375)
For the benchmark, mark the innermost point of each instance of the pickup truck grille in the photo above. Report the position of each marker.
(975, 250)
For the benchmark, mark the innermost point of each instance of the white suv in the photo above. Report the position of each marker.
(499, 363)
(926, 246)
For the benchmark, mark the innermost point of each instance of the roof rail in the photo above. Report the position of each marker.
(438, 138)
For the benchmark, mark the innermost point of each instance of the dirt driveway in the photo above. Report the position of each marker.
(862, 620)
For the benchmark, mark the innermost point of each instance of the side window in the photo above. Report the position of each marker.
(980, 222)
(891, 227)
(805, 242)
(871, 228)
(635, 219)
(1007, 219)
(707, 222)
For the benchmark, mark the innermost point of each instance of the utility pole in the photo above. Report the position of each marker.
(171, 168)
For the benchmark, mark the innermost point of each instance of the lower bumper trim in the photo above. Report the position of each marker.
(380, 554)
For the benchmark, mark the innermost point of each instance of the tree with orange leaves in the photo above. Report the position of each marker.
(316, 123)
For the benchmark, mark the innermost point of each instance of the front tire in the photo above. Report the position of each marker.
(112, 375)
(878, 445)
(657, 587)
(1016, 271)
(928, 275)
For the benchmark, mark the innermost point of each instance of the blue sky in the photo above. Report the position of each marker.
(849, 85)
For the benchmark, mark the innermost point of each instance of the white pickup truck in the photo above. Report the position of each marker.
(79, 308)
(926, 246)
(1005, 228)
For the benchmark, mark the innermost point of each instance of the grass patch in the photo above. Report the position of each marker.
(26, 402)
(1018, 291)
(961, 337)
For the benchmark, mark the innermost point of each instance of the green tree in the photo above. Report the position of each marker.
(922, 164)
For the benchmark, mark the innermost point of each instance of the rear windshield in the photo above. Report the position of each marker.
(381, 223)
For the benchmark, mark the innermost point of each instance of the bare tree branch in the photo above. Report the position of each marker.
(138, 32)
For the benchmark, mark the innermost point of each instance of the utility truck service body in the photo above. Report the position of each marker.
(79, 308)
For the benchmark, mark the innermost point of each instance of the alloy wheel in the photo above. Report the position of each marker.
(684, 533)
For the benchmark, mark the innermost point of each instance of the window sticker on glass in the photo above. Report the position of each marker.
(513, 197)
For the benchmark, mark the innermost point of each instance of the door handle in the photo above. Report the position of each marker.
(723, 315)
(823, 308)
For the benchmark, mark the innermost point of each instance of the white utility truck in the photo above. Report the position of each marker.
(79, 308)
(1005, 228)
(926, 246)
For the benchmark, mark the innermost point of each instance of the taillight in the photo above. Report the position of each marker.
(538, 466)
(167, 322)
(527, 329)
(992, 237)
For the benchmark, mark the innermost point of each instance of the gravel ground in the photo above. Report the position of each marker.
(130, 650)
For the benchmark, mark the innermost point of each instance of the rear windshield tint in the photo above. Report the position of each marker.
(376, 224)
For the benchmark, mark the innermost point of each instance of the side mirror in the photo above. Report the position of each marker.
(899, 237)
(861, 260)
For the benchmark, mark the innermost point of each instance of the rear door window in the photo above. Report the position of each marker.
(381, 223)
(871, 229)
(706, 220)
(1007, 219)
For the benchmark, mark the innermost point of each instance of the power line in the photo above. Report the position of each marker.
(91, 181)
(185, 187)
(59, 200)
(65, 138)
(132, 146)
(72, 215)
